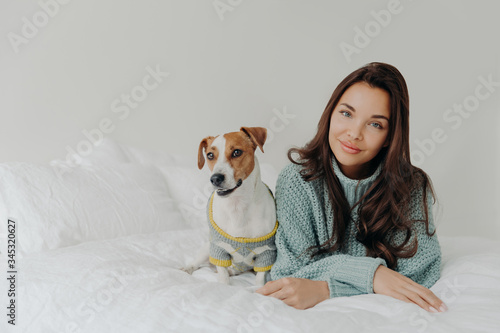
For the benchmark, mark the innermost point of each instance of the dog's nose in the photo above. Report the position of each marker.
(217, 179)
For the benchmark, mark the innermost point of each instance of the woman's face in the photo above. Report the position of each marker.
(359, 126)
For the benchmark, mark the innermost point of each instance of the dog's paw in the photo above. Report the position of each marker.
(260, 279)
(223, 279)
(222, 275)
(189, 269)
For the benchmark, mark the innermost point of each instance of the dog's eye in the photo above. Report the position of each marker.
(237, 153)
(210, 156)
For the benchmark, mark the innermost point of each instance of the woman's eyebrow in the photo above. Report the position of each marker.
(349, 107)
(376, 116)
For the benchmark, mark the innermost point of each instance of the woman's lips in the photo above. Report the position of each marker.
(349, 148)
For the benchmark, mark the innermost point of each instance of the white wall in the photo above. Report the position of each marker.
(245, 67)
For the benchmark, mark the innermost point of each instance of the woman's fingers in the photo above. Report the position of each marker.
(269, 288)
(296, 292)
(410, 294)
(417, 299)
(423, 297)
(392, 283)
(434, 303)
(279, 295)
(275, 289)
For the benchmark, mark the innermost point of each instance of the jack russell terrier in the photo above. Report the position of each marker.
(241, 210)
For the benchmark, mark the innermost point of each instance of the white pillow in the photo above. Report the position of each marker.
(55, 207)
(189, 186)
(269, 175)
(110, 152)
(159, 158)
(106, 152)
(191, 189)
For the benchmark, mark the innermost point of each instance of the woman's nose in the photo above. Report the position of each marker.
(355, 132)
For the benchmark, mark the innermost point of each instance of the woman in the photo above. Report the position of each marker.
(355, 215)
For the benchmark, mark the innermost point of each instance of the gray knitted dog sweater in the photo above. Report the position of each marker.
(241, 253)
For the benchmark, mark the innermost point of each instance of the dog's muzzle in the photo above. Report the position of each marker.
(223, 192)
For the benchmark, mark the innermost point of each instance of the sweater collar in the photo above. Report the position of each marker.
(344, 179)
(354, 188)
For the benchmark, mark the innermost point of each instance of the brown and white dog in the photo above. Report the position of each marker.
(241, 207)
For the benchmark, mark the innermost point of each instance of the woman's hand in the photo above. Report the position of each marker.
(391, 283)
(299, 293)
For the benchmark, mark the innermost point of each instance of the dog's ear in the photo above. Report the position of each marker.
(257, 134)
(201, 156)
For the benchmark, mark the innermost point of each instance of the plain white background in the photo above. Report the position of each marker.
(67, 68)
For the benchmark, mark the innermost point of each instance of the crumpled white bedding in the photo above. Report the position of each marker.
(99, 247)
(132, 284)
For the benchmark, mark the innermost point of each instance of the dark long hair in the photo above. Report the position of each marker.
(383, 210)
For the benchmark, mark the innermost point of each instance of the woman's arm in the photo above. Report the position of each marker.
(299, 216)
(344, 275)
(413, 276)
(425, 266)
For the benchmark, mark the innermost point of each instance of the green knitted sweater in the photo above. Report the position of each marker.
(306, 219)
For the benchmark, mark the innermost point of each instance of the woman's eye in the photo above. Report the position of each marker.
(210, 156)
(237, 153)
(345, 113)
(376, 125)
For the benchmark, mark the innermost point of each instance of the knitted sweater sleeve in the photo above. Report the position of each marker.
(300, 221)
(425, 266)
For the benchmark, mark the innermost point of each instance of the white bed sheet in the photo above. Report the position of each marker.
(99, 283)
(132, 284)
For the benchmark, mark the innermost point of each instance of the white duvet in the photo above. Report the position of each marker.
(132, 284)
(99, 247)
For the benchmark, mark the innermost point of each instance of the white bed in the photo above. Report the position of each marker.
(99, 247)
